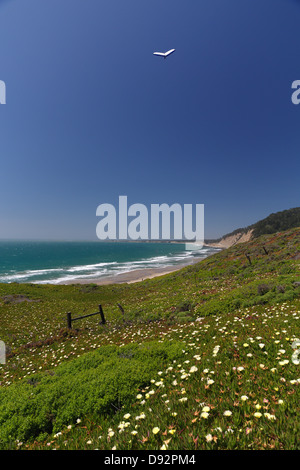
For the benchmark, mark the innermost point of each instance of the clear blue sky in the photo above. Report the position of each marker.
(92, 114)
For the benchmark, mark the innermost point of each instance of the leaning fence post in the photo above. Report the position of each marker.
(123, 312)
(69, 320)
(102, 315)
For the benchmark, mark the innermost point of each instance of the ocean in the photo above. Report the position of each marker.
(64, 262)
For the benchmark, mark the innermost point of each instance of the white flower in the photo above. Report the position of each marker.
(283, 363)
(206, 409)
(183, 399)
(269, 416)
(229, 430)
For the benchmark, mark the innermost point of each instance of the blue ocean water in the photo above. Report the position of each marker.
(60, 262)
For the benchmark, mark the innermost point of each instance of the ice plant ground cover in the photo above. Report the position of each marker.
(213, 344)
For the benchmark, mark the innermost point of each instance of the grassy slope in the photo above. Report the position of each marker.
(240, 304)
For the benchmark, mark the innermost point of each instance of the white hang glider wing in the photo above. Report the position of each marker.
(164, 54)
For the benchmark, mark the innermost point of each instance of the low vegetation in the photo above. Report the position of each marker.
(203, 358)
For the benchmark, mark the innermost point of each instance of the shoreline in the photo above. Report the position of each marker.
(130, 277)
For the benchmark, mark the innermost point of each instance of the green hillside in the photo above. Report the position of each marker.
(277, 222)
(203, 358)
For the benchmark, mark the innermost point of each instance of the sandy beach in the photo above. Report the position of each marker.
(136, 275)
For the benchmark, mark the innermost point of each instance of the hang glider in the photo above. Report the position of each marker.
(164, 54)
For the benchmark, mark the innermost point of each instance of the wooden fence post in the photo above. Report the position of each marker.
(102, 315)
(248, 258)
(122, 311)
(69, 320)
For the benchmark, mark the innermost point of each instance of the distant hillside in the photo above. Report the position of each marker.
(277, 222)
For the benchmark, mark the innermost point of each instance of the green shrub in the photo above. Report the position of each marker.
(97, 383)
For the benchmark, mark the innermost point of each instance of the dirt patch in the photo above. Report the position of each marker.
(16, 299)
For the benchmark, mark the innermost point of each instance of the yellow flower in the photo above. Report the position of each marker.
(155, 430)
